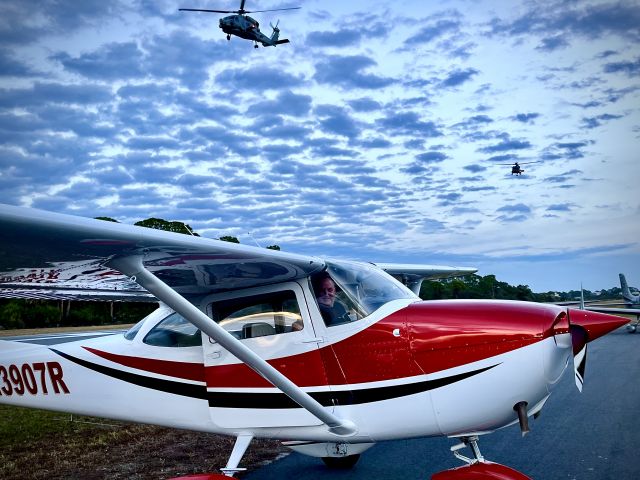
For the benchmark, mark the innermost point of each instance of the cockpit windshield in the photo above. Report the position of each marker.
(367, 286)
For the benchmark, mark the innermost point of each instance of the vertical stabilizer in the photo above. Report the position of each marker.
(276, 33)
(626, 293)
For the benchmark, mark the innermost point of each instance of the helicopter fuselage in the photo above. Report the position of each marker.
(243, 26)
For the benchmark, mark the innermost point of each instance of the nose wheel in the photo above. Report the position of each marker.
(472, 443)
(228, 37)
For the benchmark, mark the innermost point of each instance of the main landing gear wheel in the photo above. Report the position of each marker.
(632, 328)
(228, 37)
(255, 46)
(341, 463)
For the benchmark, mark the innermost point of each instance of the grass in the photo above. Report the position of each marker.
(38, 444)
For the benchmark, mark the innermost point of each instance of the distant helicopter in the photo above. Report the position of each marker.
(244, 26)
(515, 167)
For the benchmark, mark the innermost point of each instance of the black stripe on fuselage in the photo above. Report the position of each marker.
(169, 386)
(329, 398)
(273, 400)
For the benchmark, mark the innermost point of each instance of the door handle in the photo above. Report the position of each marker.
(314, 340)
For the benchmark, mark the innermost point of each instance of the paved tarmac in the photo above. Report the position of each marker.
(590, 436)
(58, 338)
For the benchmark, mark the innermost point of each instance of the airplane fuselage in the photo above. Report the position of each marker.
(407, 370)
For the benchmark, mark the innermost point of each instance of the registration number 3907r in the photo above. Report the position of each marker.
(32, 378)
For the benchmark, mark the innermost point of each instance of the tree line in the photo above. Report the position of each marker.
(477, 286)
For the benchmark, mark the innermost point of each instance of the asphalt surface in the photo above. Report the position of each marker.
(58, 338)
(590, 436)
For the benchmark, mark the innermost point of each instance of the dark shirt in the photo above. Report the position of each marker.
(335, 315)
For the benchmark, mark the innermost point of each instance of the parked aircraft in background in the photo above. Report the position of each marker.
(626, 308)
(629, 298)
(329, 356)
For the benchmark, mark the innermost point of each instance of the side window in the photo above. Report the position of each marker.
(259, 315)
(174, 331)
(133, 331)
(335, 306)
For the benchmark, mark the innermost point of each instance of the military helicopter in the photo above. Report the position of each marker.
(243, 26)
(515, 167)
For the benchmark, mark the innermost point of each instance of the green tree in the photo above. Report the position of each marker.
(229, 238)
(161, 224)
(11, 315)
(274, 247)
(107, 219)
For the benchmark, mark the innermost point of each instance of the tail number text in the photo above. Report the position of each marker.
(32, 378)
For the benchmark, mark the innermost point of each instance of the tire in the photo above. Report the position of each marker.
(341, 463)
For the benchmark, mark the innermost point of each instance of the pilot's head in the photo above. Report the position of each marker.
(326, 291)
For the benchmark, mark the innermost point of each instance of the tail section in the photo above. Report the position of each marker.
(276, 35)
(626, 293)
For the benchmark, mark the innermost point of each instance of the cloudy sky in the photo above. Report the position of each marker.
(376, 134)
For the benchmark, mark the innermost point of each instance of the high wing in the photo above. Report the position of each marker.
(50, 255)
(413, 275)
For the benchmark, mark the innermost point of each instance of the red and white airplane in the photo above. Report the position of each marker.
(242, 346)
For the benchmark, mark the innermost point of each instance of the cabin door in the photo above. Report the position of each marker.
(274, 322)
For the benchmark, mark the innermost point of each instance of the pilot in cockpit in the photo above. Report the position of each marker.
(332, 310)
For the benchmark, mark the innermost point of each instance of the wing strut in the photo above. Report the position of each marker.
(133, 268)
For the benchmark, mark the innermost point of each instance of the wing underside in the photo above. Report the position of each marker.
(55, 256)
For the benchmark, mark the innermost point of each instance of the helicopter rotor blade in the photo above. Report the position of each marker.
(242, 5)
(273, 10)
(203, 10)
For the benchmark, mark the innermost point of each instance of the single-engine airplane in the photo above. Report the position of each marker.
(241, 344)
(243, 26)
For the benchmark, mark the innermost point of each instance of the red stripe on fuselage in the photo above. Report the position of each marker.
(183, 370)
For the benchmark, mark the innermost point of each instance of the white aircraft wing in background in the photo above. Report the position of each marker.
(413, 275)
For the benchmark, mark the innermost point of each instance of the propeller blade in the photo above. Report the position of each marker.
(203, 10)
(586, 326)
(579, 339)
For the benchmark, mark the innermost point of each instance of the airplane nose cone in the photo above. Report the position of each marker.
(596, 324)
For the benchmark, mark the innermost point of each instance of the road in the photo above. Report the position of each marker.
(588, 436)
